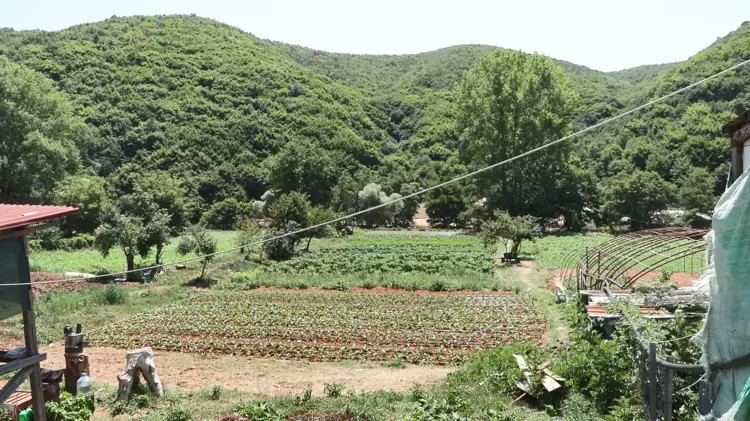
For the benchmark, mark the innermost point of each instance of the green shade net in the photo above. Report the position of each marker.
(726, 333)
(14, 268)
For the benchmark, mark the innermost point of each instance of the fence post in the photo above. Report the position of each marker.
(668, 390)
(704, 396)
(599, 263)
(652, 382)
(586, 270)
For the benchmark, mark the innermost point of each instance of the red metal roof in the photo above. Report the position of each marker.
(15, 216)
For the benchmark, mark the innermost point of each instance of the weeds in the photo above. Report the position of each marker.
(333, 390)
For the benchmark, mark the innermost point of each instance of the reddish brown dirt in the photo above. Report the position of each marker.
(257, 376)
(234, 418)
(56, 288)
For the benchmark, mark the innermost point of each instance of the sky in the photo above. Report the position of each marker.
(600, 34)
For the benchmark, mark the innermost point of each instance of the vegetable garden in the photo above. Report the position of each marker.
(431, 328)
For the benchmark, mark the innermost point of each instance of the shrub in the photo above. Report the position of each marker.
(114, 294)
(177, 413)
(333, 390)
(258, 412)
(282, 248)
(71, 408)
(215, 393)
(222, 215)
(48, 239)
(77, 242)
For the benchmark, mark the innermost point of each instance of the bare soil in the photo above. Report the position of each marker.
(40, 288)
(257, 376)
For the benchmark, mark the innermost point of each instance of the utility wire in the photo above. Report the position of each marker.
(418, 193)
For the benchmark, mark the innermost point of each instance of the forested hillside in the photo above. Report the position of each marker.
(231, 117)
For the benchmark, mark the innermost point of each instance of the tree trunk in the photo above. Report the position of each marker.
(159, 248)
(205, 262)
(130, 257)
(307, 249)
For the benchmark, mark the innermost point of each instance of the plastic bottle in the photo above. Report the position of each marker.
(83, 386)
(26, 415)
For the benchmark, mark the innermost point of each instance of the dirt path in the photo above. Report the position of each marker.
(534, 278)
(257, 376)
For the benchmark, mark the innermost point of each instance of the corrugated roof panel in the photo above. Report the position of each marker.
(16, 216)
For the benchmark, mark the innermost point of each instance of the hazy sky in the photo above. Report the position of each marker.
(601, 34)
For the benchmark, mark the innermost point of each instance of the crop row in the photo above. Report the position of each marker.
(331, 326)
(400, 258)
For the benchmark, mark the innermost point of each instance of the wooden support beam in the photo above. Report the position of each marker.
(14, 383)
(32, 349)
(22, 363)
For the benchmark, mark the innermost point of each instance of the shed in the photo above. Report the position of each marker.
(16, 222)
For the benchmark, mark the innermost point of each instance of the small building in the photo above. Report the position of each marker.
(738, 131)
(16, 295)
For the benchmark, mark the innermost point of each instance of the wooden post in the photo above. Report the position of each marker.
(32, 348)
(652, 382)
(586, 270)
(668, 391)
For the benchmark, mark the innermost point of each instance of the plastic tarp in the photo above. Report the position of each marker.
(726, 333)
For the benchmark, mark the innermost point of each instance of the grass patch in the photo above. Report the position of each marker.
(91, 261)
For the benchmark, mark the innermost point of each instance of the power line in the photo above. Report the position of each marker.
(418, 193)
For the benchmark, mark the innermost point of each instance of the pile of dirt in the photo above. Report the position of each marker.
(39, 286)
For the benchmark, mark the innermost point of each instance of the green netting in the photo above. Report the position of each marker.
(726, 333)
(14, 267)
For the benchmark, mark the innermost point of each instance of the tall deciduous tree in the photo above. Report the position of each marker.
(509, 103)
(637, 196)
(38, 135)
(303, 167)
(86, 193)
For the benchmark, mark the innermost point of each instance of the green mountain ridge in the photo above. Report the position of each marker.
(213, 105)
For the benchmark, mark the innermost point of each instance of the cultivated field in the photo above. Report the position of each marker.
(330, 325)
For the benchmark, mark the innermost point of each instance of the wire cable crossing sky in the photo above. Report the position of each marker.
(418, 193)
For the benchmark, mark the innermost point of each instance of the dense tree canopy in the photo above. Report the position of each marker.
(509, 103)
(205, 116)
(39, 135)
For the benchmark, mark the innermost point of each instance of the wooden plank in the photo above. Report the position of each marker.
(22, 363)
(14, 383)
(32, 347)
(550, 384)
(521, 362)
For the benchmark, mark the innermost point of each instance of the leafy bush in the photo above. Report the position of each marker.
(114, 294)
(496, 369)
(71, 408)
(177, 413)
(77, 242)
(259, 412)
(48, 239)
(333, 390)
(215, 393)
(431, 409)
(282, 248)
(222, 215)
